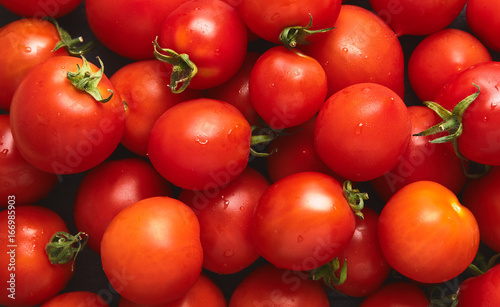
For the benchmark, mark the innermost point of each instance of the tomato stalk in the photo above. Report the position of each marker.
(355, 198)
(327, 271)
(86, 80)
(263, 136)
(296, 35)
(72, 45)
(64, 247)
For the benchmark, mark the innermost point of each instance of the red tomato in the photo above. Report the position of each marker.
(423, 17)
(142, 87)
(440, 56)
(481, 197)
(302, 221)
(26, 42)
(422, 221)
(162, 230)
(212, 34)
(224, 215)
(17, 176)
(480, 291)
(397, 294)
(287, 87)
(60, 129)
(362, 131)
(423, 160)
(200, 144)
(32, 278)
(483, 18)
(203, 293)
(39, 9)
(361, 48)
(109, 188)
(76, 298)
(270, 286)
(129, 27)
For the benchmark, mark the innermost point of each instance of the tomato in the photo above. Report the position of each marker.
(76, 298)
(423, 221)
(128, 27)
(151, 251)
(268, 19)
(203, 293)
(38, 9)
(214, 37)
(397, 294)
(59, 128)
(302, 221)
(480, 291)
(438, 57)
(270, 286)
(287, 87)
(224, 214)
(483, 18)
(17, 176)
(32, 278)
(423, 160)
(109, 188)
(424, 17)
(480, 196)
(362, 130)
(26, 42)
(200, 144)
(361, 48)
(142, 87)
(367, 268)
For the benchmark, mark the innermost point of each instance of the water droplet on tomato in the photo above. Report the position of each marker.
(4, 152)
(359, 129)
(242, 208)
(202, 141)
(228, 253)
(300, 238)
(275, 16)
(485, 119)
(345, 50)
(27, 49)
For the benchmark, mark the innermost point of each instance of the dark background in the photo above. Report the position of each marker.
(88, 271)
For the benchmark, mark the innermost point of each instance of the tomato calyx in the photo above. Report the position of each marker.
(296, 35)
(327, 273)
(183, 69)
(64, 247)
(355, 198)
(86, 80)
(261, 137)
(72, 45)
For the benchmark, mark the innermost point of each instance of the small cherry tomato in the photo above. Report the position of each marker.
(397, 294)
(483, 18)
(480, 291)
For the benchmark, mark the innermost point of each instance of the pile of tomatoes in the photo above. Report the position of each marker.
(249, 153)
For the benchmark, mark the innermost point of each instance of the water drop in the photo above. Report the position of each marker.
(485, 119)
(300, 238)
(359, 129)
(217, 52)
(4, 152)
(275, 16)
(242, 208)
(345, 50)
(201, 141)
(27, 49)
(228, 253)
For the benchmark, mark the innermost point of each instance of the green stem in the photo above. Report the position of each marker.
(327, 273)
(86, 80)
(72, 45)
(297, 35)
(64, 247)
(355, 198)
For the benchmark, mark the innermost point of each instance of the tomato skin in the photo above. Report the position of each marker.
(39, 9)
(481, 197)
(142, 86)
(212, 34)
(424, 17)
(26, 42)
(109, 188)
(397, 294)
(270, 286)
(423, 160)
(480, 291)
(200, 144)
(352, 52)
(478, 141)
(17, 176)
(439, 56)
(412, 225)
(291, 233)
(287, 87)
(168, 232)
(483, 18)
(82, 131)
(362, 130)
(76, 298)
(36, 279)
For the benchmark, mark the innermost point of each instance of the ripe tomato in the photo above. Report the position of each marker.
(200, 144)
(287, 87)
(397, 294)
(26, 42)
(270, 286)
(214, 37)
(17, 176)
(302, 221)
(109, 188)
(76, 298)
(423, 221)
(361, 48)
(162, 230)
(362, 131)
(480, 291)
(32, 278)
(142, 87)
(418, 18)
(39, 9)
(438, 57)
(483, 18)
(224, 214)
(59, 128)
